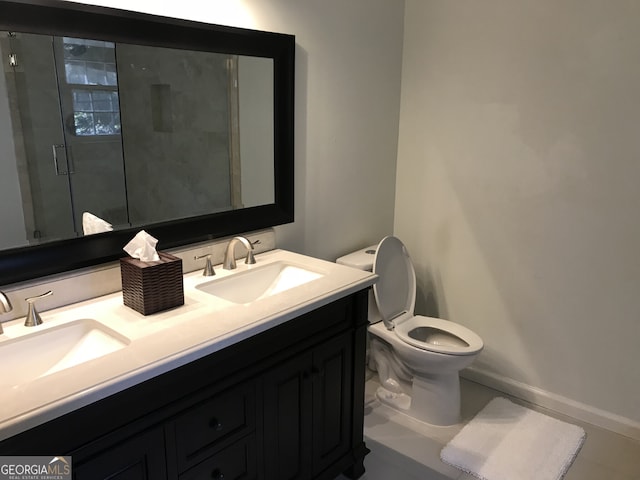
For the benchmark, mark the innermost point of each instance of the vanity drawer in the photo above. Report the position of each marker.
(214, 424)
(237, 462)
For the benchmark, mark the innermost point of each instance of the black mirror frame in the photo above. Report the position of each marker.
(60, 18)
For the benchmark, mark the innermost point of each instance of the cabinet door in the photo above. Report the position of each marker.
(139, 458)
(332, 396)
(307, 403)
(287, 405)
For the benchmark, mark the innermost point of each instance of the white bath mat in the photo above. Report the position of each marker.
(508, 442)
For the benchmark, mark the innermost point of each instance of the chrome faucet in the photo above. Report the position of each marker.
(33, 317)
(229, 256)
(5, 306)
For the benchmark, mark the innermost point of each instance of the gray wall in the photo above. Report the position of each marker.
(348, 69)
(518, 189)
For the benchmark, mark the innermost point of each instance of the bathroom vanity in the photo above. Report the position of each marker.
(238, 383)
(268, 389)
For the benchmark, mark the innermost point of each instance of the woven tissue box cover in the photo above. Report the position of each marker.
(150, 287)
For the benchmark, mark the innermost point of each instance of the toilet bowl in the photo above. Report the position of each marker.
(418, 358)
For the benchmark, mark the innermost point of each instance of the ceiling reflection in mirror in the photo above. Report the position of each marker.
(98, 135)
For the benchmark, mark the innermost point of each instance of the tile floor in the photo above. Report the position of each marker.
(403, 449)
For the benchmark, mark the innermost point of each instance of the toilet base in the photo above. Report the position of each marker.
(397, 401)
(434, 399)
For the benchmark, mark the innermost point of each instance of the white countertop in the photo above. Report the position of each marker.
(165, 340)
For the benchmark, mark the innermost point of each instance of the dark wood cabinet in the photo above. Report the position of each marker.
(139, 458)
(332, 397)
(284, 404)
(307, 411)
(287, 400)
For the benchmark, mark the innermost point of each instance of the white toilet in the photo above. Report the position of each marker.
(418, 358)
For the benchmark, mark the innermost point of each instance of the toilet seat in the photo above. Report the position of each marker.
(438, 335)
(395, 295)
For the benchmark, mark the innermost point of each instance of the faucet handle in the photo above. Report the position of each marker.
(208, 267)
(250, 260)
(33, 317)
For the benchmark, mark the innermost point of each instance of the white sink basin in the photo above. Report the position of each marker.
(259, 282)
(50, 350)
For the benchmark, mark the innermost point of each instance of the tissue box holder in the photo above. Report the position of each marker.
(150, 287)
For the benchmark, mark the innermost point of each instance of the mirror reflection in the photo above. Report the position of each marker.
(97, 135)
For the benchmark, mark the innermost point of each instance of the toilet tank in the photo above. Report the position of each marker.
(363, 260)
(360, 259)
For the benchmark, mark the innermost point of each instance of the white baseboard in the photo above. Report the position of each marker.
(558, 403)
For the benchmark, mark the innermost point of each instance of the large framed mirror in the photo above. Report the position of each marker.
(114, 121)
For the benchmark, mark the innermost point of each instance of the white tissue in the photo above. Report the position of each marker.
(92, 224)
(143, 246)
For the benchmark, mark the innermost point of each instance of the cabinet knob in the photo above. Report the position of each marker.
(216, 425)
(217, 474)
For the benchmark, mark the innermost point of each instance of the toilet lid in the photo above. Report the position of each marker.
(395, 290)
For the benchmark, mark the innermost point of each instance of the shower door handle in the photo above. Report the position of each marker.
(54, 150)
